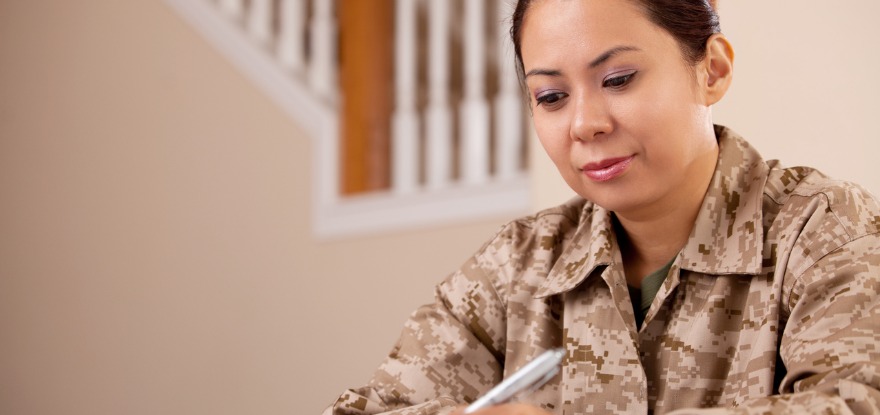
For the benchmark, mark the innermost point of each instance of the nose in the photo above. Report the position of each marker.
(591, 119)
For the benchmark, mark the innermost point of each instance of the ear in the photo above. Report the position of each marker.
(717, 68)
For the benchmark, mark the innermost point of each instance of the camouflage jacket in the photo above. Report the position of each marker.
(772, 306)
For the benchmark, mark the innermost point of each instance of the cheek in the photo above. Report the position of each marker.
(554, 142)
(651, 108)
(664, 101)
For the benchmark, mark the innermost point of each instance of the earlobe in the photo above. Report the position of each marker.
(719, 68)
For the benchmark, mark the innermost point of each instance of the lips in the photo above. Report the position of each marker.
(607, 169)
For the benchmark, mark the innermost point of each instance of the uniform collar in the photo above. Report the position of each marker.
(593, 245)
(727, 236)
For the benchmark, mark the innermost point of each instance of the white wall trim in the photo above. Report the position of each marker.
(387, 211)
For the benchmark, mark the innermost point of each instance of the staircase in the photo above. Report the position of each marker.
(457, 144)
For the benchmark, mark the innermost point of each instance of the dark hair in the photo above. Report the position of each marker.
(690, 22)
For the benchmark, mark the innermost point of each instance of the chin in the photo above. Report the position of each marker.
(616, 200)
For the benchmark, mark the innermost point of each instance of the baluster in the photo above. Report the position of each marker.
(260, 20)
(439, 116)
(474, 110)
(291, 46)
(366, 47)
(322, 74)
(405, 127)
(508, 104)
(232, 8)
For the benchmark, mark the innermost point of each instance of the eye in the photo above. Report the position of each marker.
(618, 82)
(550, 99)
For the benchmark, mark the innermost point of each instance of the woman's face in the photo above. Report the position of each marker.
(615, 105)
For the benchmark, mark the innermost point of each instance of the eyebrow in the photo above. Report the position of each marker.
(611, 53)
(608, 54)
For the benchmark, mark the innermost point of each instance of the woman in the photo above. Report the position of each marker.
(692, 274)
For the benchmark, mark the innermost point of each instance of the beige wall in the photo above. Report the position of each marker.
(805, 88)
(155, 255)
(155, 252)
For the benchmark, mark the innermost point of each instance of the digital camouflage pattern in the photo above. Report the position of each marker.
(782, 264)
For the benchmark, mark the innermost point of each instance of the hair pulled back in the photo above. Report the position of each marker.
(690, 22)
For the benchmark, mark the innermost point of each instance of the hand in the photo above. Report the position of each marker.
(508, 409)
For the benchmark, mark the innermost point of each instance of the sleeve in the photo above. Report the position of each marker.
(831, 344)
(449, 352)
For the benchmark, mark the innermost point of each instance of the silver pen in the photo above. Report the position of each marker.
(526, 380)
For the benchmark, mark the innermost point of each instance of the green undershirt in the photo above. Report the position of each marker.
(643, 297)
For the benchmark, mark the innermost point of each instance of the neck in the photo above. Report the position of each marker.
(648, 241)
(648, 246)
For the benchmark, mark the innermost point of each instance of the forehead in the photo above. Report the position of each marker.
(570, 29)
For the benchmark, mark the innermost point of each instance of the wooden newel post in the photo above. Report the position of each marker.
(366, 78)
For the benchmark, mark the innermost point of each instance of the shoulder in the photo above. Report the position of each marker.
(547, 229)
(556, 221)
(802, 193)
(529, 246)
(814, 215)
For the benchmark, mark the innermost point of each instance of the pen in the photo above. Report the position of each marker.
(529, 378)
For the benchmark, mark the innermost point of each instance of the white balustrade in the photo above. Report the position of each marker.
(259, 21)
(316, 64)
(405, 121)
(301, 77)
(508, 115)
(322, 73)
(291, 42)
(438, 115)
(474, 111)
